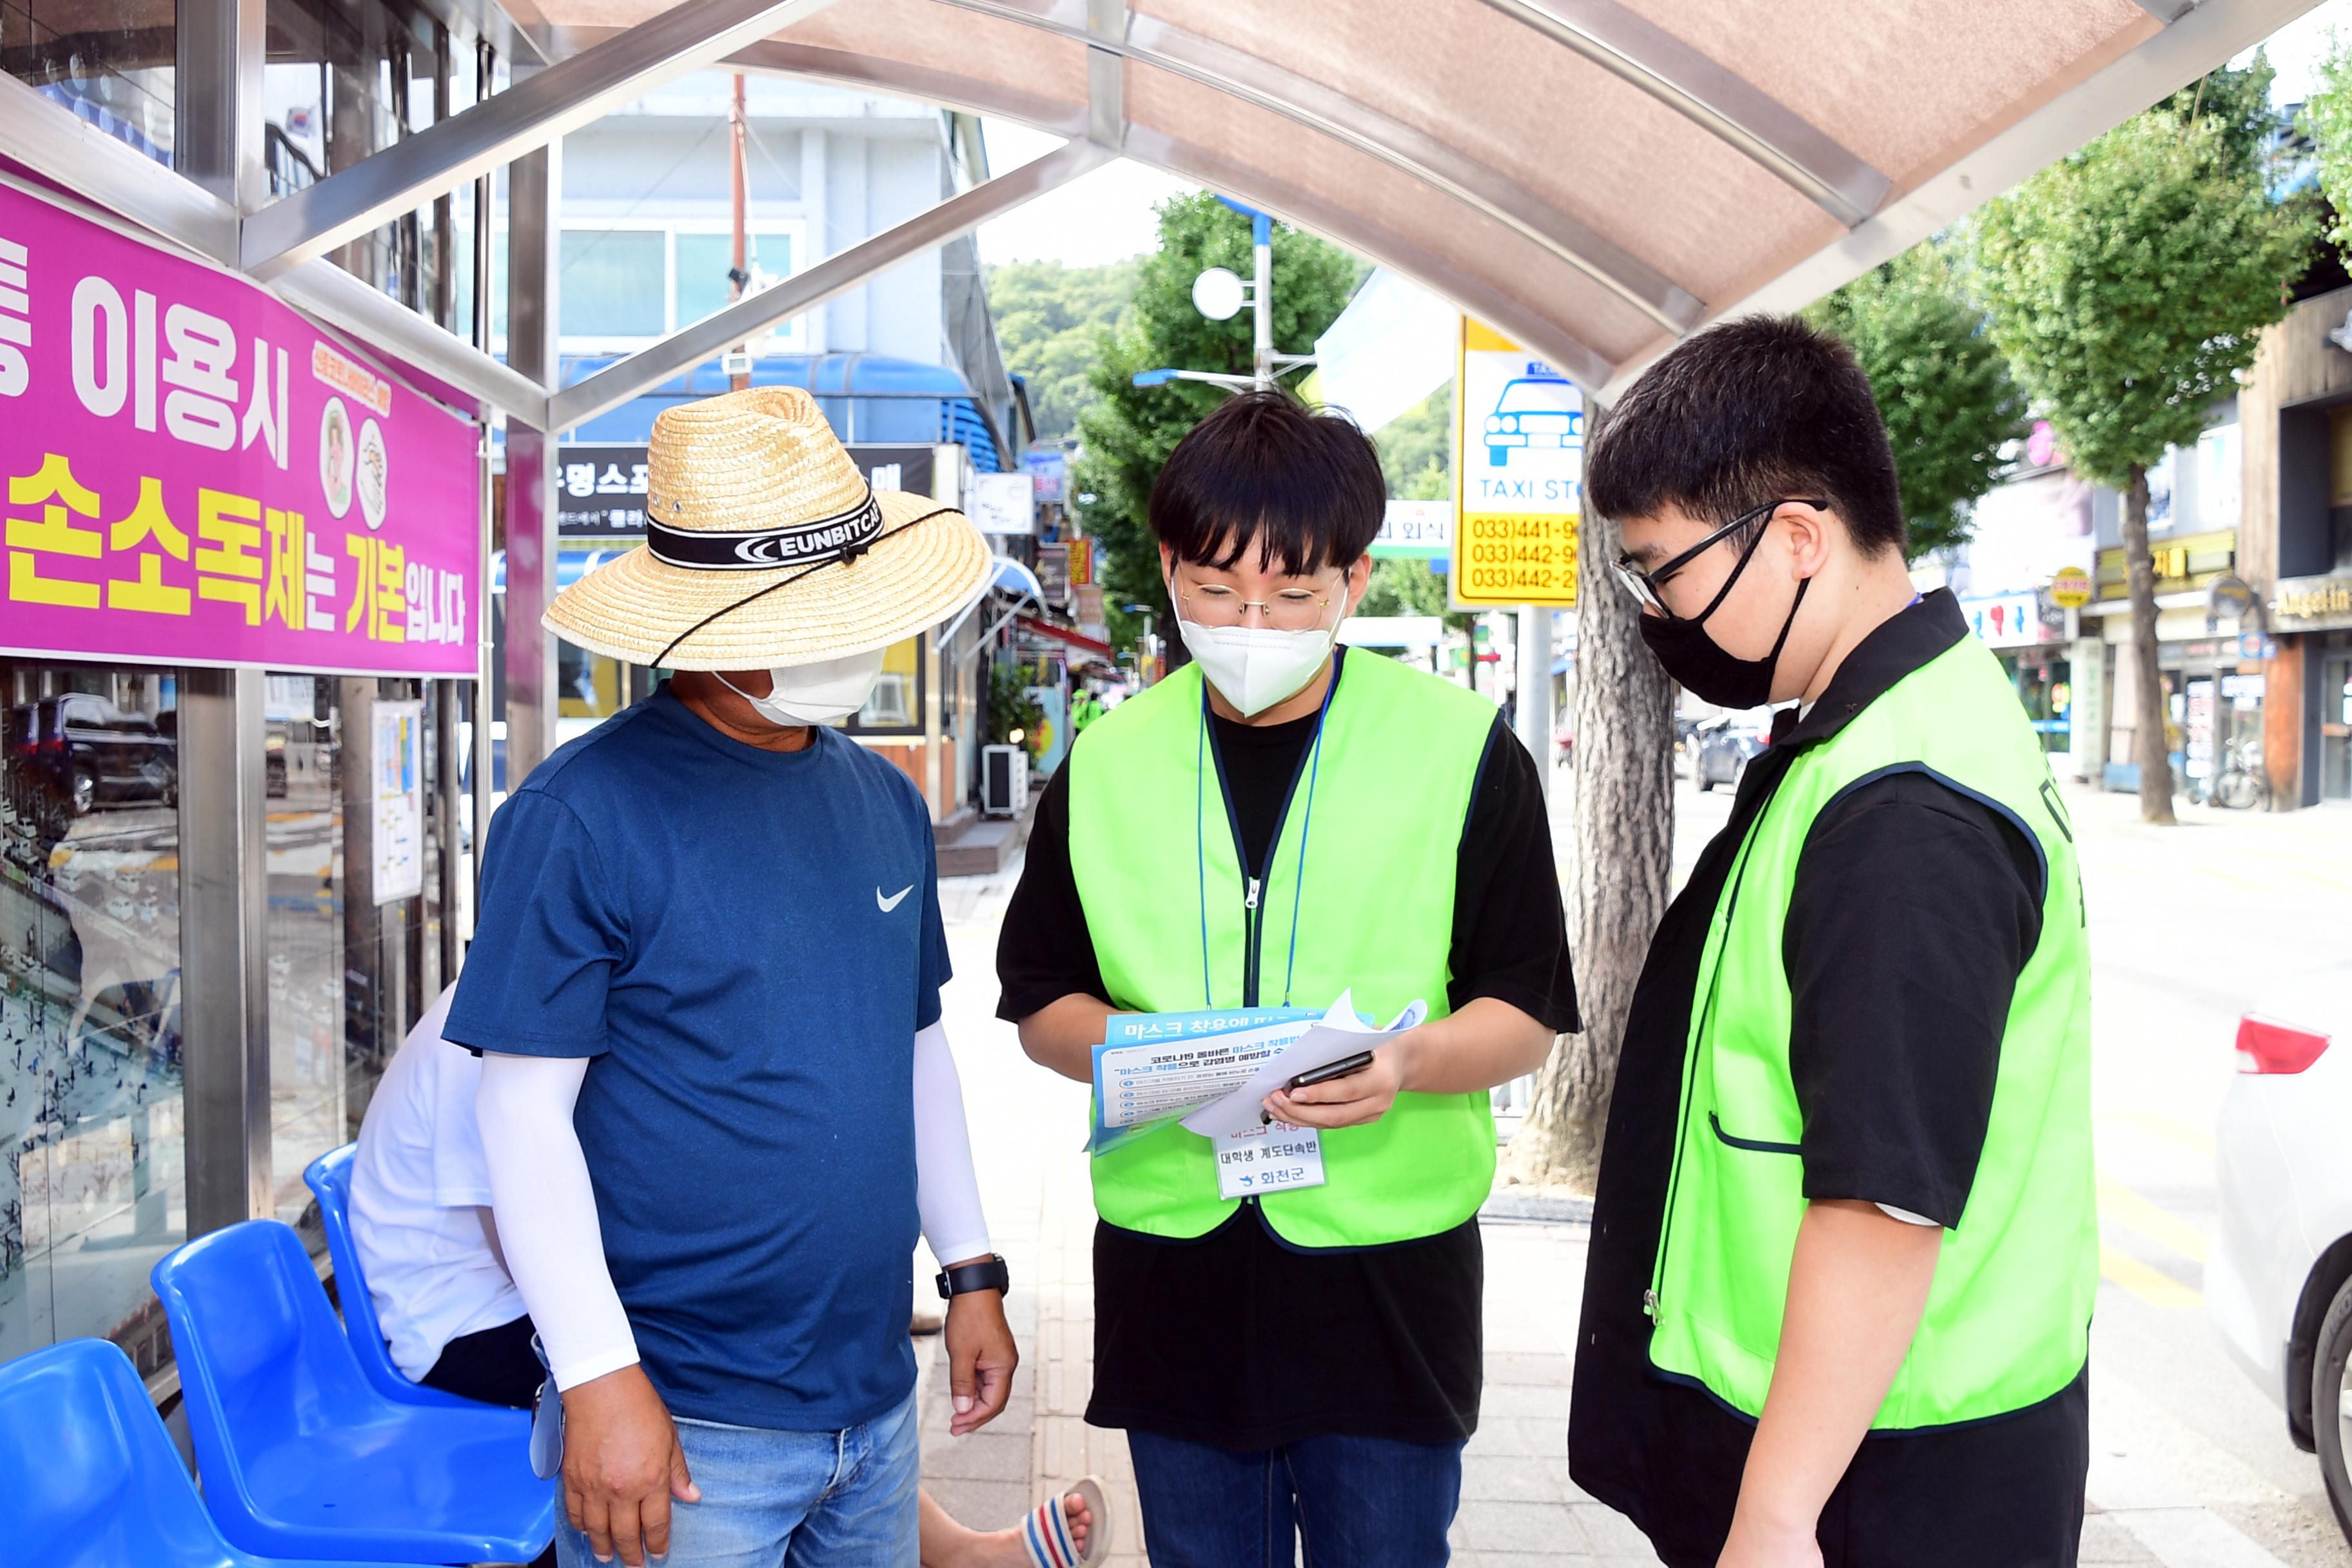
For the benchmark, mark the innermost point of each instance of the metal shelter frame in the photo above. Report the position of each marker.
(1234, 94)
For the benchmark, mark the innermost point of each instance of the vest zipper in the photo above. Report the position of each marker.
(1253, 925)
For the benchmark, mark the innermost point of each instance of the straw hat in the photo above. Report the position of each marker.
(765, 547)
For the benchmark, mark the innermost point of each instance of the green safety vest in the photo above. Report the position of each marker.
(2007, 1318)
(1359, 893)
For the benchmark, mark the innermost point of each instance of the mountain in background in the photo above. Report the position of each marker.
(1050, 323)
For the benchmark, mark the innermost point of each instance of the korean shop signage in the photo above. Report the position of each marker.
(196, 474)
(600, 490)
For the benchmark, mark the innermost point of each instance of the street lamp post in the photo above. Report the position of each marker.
(1218, 295)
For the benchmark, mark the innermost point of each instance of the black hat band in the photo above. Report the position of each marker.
(843, 536)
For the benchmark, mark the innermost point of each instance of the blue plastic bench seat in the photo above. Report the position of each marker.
(300, 1456)
(330, 1179)
(91, 1477)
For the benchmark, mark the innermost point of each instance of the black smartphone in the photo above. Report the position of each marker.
(1339, 1068)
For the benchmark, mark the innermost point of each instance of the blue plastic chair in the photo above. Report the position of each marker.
(330, 1178)
(300, 1456)
(91, 1476)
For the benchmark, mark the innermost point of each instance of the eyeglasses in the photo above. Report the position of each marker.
(1215, 604)
(1645, 586)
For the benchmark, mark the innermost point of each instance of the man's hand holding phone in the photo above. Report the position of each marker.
(1351, 1092)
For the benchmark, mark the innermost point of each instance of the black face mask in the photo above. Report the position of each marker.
(1698, 662)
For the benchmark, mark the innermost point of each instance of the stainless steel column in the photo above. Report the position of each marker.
(534, 188)
(217, 90)
(223, 933)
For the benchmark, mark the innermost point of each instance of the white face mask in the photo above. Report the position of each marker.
(1253, 668)
(822, 693)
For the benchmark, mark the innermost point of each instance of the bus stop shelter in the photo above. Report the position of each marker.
(1594, 178)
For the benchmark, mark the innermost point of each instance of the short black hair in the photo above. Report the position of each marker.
(1305, 489)
(1756, 409)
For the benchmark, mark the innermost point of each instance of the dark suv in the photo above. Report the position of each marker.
(85, 751)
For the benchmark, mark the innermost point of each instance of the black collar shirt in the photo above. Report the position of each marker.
(1913, 911)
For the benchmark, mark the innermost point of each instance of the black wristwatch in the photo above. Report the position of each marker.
(988, 1274)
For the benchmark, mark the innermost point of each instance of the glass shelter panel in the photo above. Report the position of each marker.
(112, 63)
(92, 1141)
(303, 778)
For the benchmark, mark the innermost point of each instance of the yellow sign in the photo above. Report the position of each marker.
(2070, 588)
(1518, 475)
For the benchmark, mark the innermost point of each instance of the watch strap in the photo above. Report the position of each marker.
(988, 1274)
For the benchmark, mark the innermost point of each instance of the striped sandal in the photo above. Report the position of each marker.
(1045, 1534)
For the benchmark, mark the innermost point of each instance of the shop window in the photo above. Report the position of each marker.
(92, 1142)
(705, 259)
(589, 685)
(111, 63)
(613, 283)
(897, 706)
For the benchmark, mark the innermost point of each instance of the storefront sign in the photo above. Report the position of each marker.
(1521, 450)
(2005, 620)
(2314, 599)
(196, 475)
(600, 490)
(1082, 562)
(398, 830)
(2070, 588)
(1417, 529)
(1002, 503)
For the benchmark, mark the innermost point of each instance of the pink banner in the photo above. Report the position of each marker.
(196, 475)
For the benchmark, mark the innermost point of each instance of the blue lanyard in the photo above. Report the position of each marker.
(1305, 827)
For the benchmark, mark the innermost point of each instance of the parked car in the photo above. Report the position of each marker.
(86, 751)
(2279, 1287)
(1727, 744)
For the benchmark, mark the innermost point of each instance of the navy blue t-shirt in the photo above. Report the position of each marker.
(746, 941)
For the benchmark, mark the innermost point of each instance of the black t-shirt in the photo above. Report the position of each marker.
(1236, 1338)
(1914, 909)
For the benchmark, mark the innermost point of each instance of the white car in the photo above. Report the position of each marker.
(2280, 1283)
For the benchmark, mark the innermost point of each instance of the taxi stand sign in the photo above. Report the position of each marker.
(1519, 475)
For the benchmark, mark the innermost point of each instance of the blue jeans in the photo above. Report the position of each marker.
(789, 1500)
(1349, 1502)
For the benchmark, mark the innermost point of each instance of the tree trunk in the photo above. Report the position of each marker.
(1623, 858)
(2149, 750)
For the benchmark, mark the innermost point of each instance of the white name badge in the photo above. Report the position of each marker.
(1277, 1158)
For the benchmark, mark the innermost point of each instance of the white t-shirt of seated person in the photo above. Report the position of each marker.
(421, 1201)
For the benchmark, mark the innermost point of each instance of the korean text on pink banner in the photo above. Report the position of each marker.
(198, 475)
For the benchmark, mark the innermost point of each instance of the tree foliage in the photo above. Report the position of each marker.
(1942, 385)
(1416, 442)
(2327, 118)
(1050, 323)
(2130, 283)
(2237, 104)
(1129, 431)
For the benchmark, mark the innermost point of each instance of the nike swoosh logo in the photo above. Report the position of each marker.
(893, 901)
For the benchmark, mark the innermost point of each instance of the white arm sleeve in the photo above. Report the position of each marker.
(947, 1193)
(546, 1213)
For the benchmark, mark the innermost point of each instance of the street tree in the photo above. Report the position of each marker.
(1129, 431)
(1942, 385)
(1622, 863)
(2128, 284)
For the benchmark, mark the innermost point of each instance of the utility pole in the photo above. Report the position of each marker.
(738, 364)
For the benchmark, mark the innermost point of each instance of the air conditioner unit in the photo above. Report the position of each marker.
(1003, 781)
